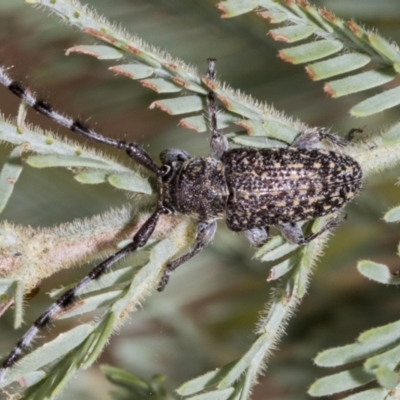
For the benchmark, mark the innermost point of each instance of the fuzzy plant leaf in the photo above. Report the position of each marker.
(379, 347)
(359, 82)
(232, 8)
(278, 252)
(9, 174)
(368, 344)
(291, 34)
(161, 72)
(311, 51)
(87, 343)
(280, 269)
(393, 215)
(134, 388)
(99, 52)
(371, 394)
(49, 352)
(337, 65)
(51, 151)
(377, 272)
(224, 394)
(351, 46)
(340, 382)
(12, 293)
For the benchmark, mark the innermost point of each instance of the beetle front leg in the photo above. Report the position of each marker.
(204, 233)
(293, 233)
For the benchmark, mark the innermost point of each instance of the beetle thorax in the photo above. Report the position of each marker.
(196, 187)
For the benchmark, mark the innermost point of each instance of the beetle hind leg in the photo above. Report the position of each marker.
(293, 233)
(204, 233)
(312, 139)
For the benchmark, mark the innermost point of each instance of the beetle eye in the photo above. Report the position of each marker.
(164, 170)
(167, 209)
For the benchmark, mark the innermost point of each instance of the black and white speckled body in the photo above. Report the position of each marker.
(252, 188)
(286, 185)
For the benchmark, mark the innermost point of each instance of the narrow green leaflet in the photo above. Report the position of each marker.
(54, 150)
(271, 244)
(56, 160)
(132, 182)
(49, 352)
(386, 377)
(160, 85)
(9, 175)
(393, 215)
(200, 124)
(360, 349)
(92, 303)
(337, 65)
(256, 141)
(91, 176)
(114, 277)
(101, 336)
(279, 252)
(377, 272)
(32, 378)
(253, 356)
(276, 129)
(359, 82)
(293, 33)
(180, 105)
(271, 129)
(224, 394)
(12, 293)
(133, 71)
(341, 382)
(134, 384)
(384, 47)
(392, 135)
(200, 383)
(389, 359)
(101, 52)
(371, 394)
(311, 51)
(197, 123)
(380, 102)
(232, 8)
(280, 269)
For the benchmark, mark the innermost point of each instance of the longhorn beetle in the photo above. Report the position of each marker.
(251, 189)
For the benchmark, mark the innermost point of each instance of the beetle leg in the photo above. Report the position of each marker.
(204, 233)
(313, 140)
(257, 236)
(218, 142)
(350, 134)
(293, 233)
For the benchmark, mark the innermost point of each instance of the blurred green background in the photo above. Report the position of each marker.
(206, 316)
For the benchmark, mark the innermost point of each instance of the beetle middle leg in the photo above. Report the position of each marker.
(257, 236)
(294, 234)
(204, 233)
(218, 142)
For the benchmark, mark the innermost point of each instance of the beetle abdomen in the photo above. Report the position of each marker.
(286, 185)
